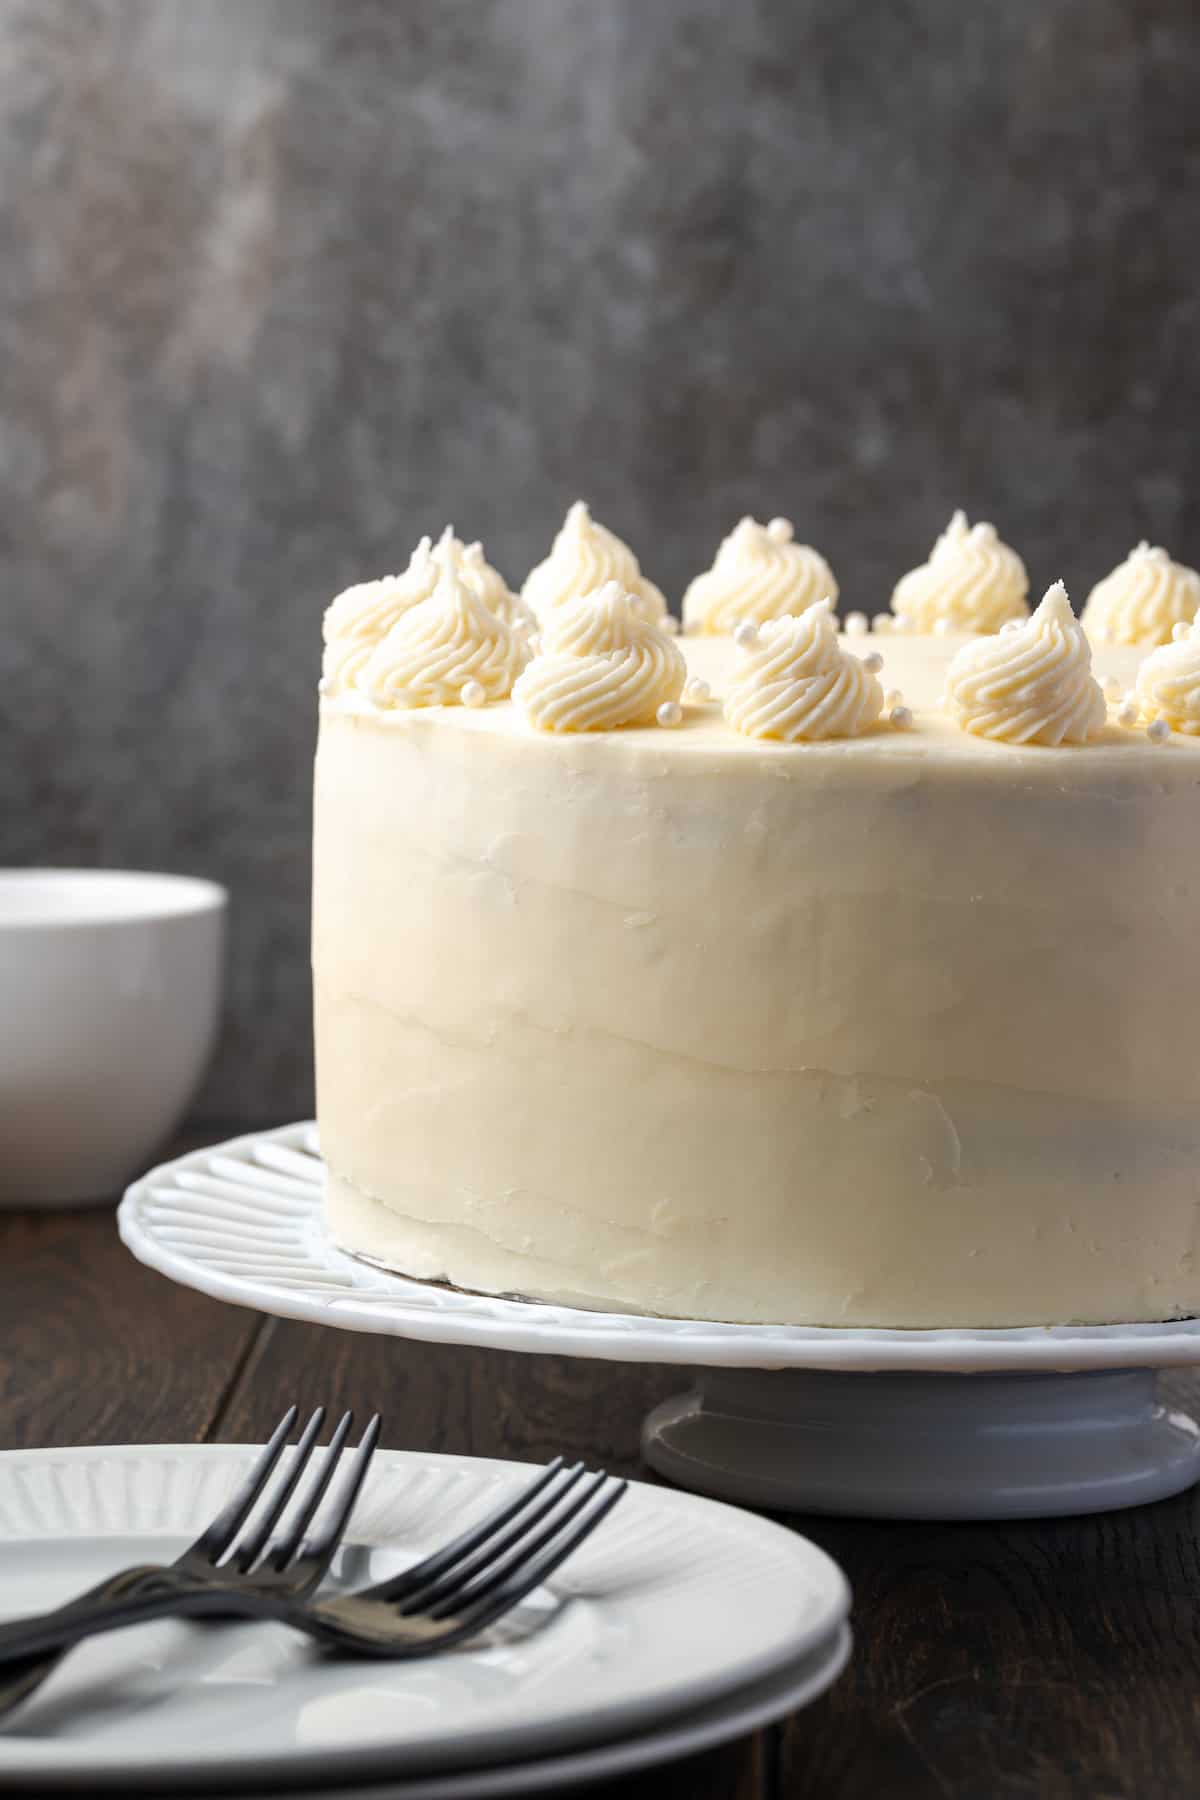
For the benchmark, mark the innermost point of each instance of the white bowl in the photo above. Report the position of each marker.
(110, 987)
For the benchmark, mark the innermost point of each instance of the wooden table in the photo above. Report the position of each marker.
(1040, 1660)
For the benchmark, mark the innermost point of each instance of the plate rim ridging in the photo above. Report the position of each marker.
(759, 1705)
(324, 1285)
(820, 1587)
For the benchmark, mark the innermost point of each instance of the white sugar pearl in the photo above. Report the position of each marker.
(473, 694)
(900, 623)
(746, 635)
(325, 685)
(882, 623)
(670, 624)
(856, 625)
(873, 663)
(941, 628)
(697, 691)
(1158, 731)
(1112, 688)
(901, 717)
(670, 714)
(1128, 715)
(1180, 630)
(781, 530)
(636, 604)
(893, 697)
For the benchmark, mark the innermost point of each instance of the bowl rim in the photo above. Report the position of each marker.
(179, 896)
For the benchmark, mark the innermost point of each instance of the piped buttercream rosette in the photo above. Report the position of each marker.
(584, 557)
(759, 573)
(448, 651)
(1030, 683)
(470, 564)
(972, 582)
(1143, 599)
(793, 681)
(1168, 682)
(361, 617)
(602, 664)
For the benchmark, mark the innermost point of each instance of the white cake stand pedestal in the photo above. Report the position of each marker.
(949, 1424)
(922, 1445)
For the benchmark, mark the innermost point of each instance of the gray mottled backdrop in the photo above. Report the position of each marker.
(284, 283)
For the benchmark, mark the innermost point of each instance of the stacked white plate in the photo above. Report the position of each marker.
(681, 1624)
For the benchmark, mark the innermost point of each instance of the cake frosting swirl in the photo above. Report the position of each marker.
(602, 664)
(1168, 682)
(470, 564)
(584, 557)
(972, 582)
(361, 617)
(758, 573)
(1142, 599)
(1031, 683)
(451, 650)
(793, 681)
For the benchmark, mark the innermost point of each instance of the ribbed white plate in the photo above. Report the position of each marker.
(676, 1602)
(749, 1709)
(243, 1222)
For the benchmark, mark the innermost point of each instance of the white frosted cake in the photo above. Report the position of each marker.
(773, 974)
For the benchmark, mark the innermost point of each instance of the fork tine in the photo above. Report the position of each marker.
(433, 1567)
(280, 1553)
(216, 1539)
(486, 1611)
(247, 1550)
(422, 1594)
(318, 1551)
(456, 1594)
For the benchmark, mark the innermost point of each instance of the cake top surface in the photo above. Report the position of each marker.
(597, 658)
(705, 737)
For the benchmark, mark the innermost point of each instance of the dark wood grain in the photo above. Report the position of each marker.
(1048, 1659)
(95, 1349)
(1045, 1661)
(449, 1398)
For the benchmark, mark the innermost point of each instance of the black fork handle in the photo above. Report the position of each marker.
(171, 1596)
(23, 1677)
(111, 1590)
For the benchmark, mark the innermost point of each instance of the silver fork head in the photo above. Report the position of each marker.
(292, 1562)
(422, 1595)
(466, 1604)
(488, 1599)
(305, 1554)
(216, 1538)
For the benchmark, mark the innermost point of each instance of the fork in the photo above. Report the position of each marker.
(451, 1596)
(291, 1565)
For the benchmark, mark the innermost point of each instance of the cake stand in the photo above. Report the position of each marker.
(949, 1424)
